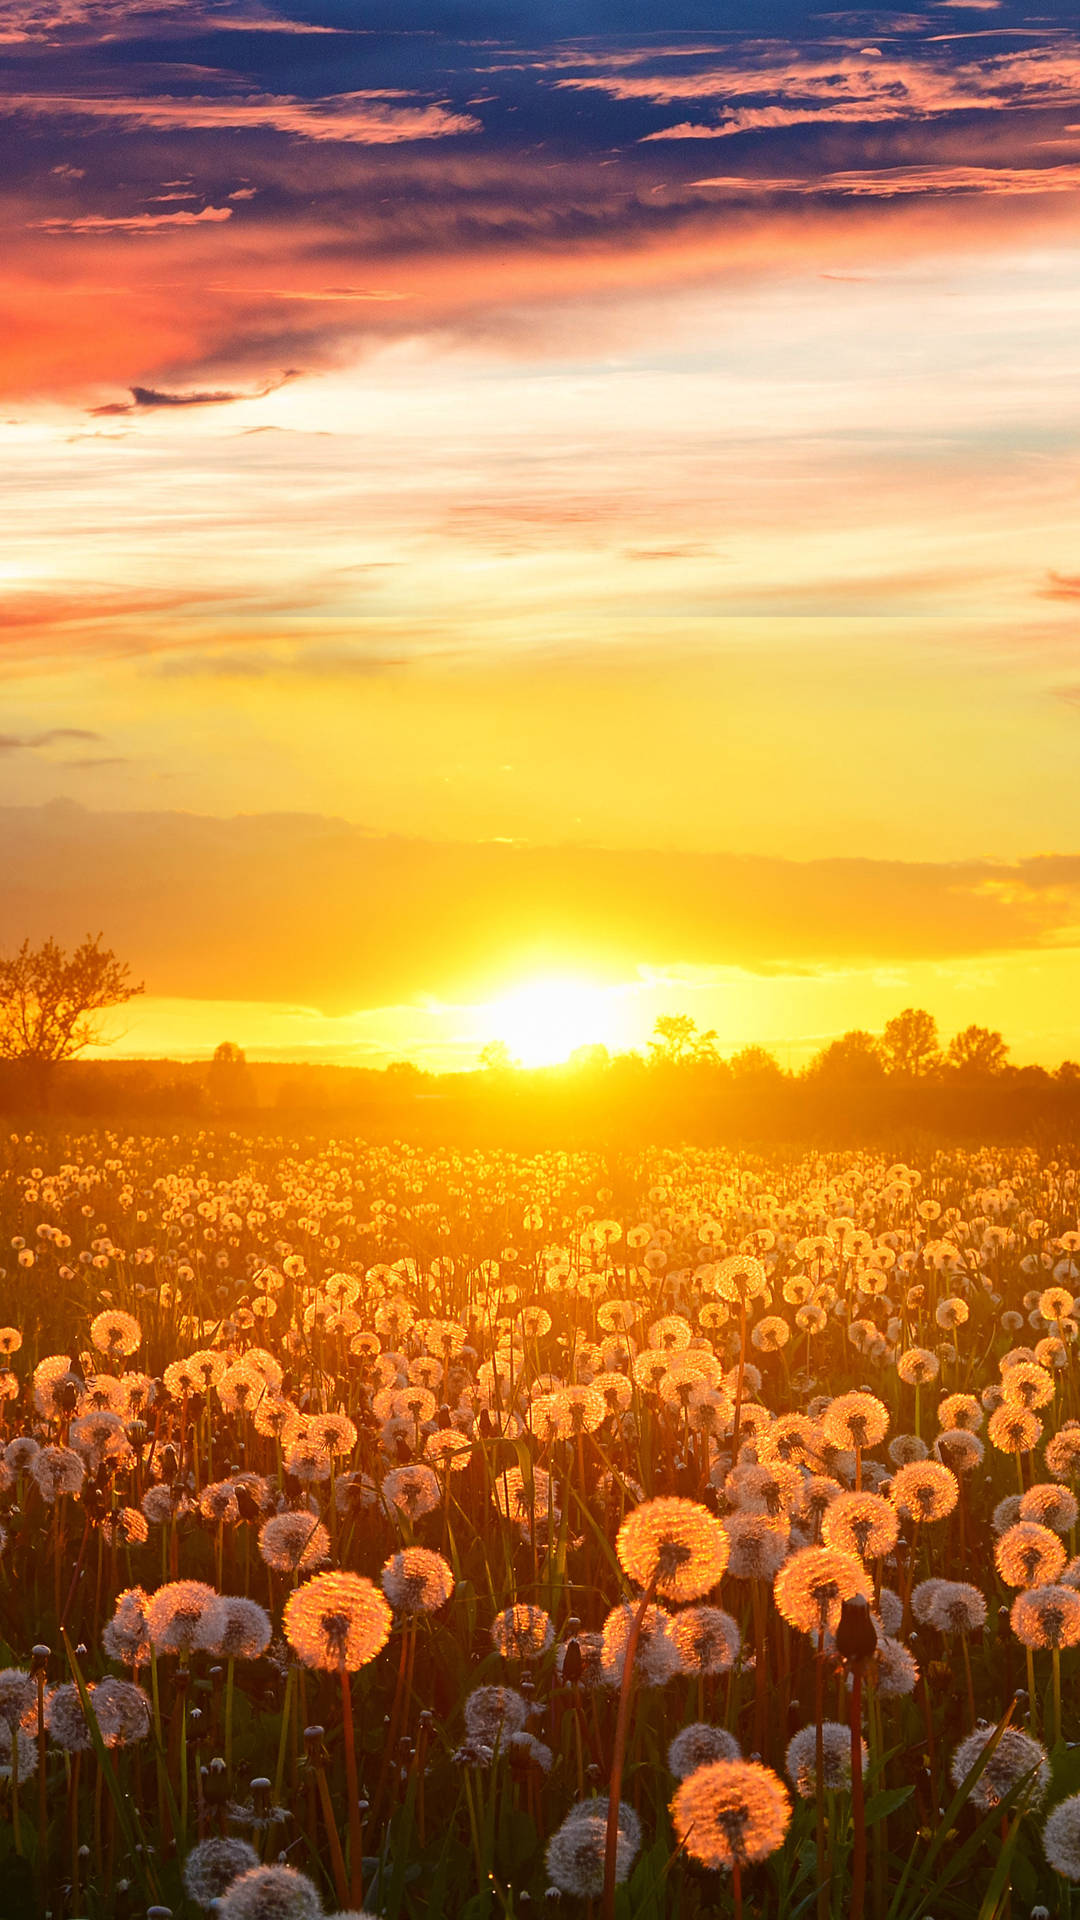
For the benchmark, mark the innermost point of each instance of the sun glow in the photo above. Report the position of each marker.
(544, 1021)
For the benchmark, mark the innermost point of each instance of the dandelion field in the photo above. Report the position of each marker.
(422, 1533)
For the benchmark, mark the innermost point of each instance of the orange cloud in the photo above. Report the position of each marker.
(132, 222)
(890, 183)
(849, 84)
(375, 117)
(379, 919)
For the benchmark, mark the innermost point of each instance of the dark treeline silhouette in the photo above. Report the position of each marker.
(857, 1089)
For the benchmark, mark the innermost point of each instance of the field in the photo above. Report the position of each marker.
(430, 1533)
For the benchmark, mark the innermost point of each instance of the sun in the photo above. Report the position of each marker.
(544, 1021)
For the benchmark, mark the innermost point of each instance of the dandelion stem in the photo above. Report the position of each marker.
(352, 1789)
(283, 1740)
(967, 1675)
(819, 1781)
(15, 1829)
(622, 1725)
(740, 1376)
(1033, 1710)
(858, 1803)
(230, 1674)
(337, 1862)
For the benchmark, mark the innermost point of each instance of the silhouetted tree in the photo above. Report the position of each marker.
(755, 1063)
(853, 1060)
(229, 1081)
(593, 1057)
(910, 1043)
(496, 1057)
(405, 1073)
(676, 1041)
(977, 1053)
(51, 1002)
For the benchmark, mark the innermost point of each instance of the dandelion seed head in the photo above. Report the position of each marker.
(1051, 1506)
(656, 1659)
(862, 1524)
(954, 1606)
(270, 1893)
(1016, 1754)
(234, 1627)
(122, 1711)
(695, 1746)
(959, 1450)
(918, 1366)
(1006, 1513)
(337, 1621)
(706, 1638)
(294, 1543)
(811, 1587)
(896, 1669)
(417, 1580)
(758, 1545)
(174, 1614)
(924, 1491)
(1013, 1428)
(65, 1721)
(16, 1740)
(731, 1811)
(1029, 1555)
(212, 1866)
(676, 1546)
(800, 1761)
(492, 1714)
(522, 1632)
(855, 1420)
(960, 1410)
(1062, 1452)
(576, 1851)
(18, 1695)
(415, 1490)
(1047, 1616)
(115, 1333)
(1061, 1838)
(56, 1471)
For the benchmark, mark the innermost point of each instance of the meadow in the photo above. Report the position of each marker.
(420, 1533)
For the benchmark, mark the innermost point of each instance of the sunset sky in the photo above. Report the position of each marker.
(539, 516)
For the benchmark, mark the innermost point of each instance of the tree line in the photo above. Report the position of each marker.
(908, 1048)
(53, 1006)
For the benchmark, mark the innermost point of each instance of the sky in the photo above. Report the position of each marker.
(519, 519)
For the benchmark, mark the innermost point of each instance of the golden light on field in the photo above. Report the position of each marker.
(544, 1021)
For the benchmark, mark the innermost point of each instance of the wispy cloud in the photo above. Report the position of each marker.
(79, 20)
(1061, 586)
(147, 399)
(372, 117)
(786, 86)
(891, 183)
(132, 222)
(32, 742)
(275, 663)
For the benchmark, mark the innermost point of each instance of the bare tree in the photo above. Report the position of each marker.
(51, 1001)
